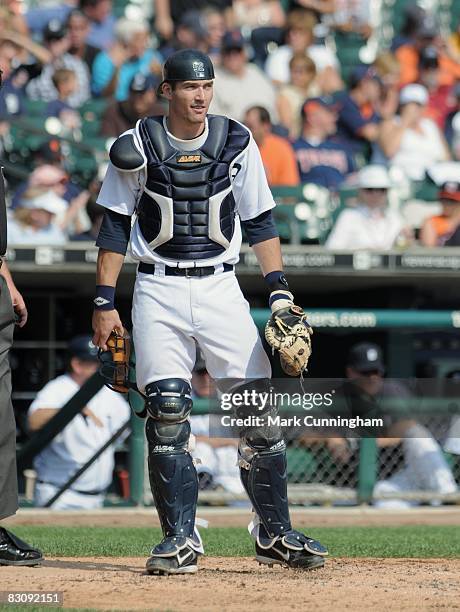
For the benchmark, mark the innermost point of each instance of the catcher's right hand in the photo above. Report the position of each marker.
(289, 333)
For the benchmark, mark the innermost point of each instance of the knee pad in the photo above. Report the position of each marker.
(167, 437)
(169, 400)
(265, 434)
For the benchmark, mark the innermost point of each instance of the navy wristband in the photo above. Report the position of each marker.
(276, 280)
(105, 298)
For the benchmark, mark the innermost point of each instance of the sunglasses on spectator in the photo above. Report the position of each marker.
(371, 373)
(376, 189)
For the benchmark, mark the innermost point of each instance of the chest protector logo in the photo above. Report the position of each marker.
(187, 210)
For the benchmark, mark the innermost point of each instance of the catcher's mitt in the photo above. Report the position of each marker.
(288, 332)
(115, 362)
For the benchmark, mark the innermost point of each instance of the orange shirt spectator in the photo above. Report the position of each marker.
(276, 152)
(408, 58)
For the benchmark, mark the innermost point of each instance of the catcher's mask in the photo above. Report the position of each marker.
(116, 363)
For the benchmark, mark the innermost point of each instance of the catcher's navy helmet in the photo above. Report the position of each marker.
(187, 65)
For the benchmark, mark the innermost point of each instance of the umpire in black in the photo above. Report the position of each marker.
(13, 550)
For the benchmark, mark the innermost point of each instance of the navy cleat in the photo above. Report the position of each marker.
(174, 555)
(294, 550)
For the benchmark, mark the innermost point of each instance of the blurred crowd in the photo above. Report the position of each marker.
(377, 127)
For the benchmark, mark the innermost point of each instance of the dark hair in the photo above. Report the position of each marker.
(85, 3)
(76, 12)
(262, 113)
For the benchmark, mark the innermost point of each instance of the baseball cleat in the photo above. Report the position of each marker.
(294, 550)
(173, 555)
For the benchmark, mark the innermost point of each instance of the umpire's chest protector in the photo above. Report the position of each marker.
(187, 210)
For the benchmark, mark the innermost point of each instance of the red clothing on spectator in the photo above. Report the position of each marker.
(440, 104)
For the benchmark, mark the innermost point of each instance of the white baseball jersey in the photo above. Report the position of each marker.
(81, 438)
(121, 192)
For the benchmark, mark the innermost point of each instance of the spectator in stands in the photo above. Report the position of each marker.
(215, 30)
(299, 39)
(12, 96)
(454, 43)
(12, 18)
(353, 16)
(48, 174)
(113, 70)
(264, 19)
(359, 122)
(95, 213)
(142, 101)
(321, 159)
(102, 22)
(168, 13)
(408, 55)
(440, 99)
(388, 71)
(217, 467)
(56, 40)
(65, 82)
(240, 84)
(86, 433)
(450, 129)
(371, 224)
(257, 13)
(316, 8)
(291, 97)
(437, 230)
(425, 468)
(452, 389)
(189, 33)
(34, 220)
(410, 140)
(413, 16)
(16, 75)
(78, 26)
(276, 152)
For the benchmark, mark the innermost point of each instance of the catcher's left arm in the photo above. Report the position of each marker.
(287, 330)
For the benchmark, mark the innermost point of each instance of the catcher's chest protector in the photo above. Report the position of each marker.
(187, 210)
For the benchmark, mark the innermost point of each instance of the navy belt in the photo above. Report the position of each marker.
(146, 268)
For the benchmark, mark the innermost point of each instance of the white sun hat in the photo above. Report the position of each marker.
(374, 176)
(48, 201)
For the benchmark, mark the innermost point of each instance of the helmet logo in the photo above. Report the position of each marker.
(198, 68)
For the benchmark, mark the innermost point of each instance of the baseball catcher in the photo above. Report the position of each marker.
(193, 181)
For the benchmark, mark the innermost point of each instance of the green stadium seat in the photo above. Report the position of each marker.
(93, 109)
(304, 214)
(35, 108)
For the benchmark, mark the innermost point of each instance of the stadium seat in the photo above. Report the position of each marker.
(35, 108)
(348, 46)
(304, 214)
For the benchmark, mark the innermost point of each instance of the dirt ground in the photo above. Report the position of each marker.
(236, 584)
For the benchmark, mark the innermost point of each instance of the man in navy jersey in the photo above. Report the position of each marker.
(321, 159)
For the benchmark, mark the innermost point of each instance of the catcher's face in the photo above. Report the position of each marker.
(189, 100)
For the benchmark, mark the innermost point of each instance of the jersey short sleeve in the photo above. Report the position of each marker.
(54, 394)
(121, 191)
(250, 188)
